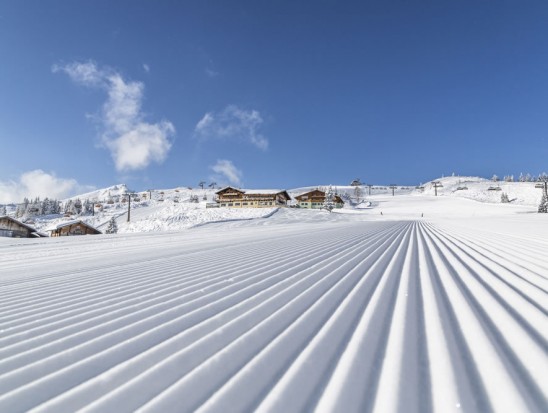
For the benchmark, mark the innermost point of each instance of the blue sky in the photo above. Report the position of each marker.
(269, 93)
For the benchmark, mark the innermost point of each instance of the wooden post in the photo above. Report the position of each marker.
(128, 206)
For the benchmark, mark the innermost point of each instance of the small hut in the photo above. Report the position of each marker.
(76, 227)
(12, 228)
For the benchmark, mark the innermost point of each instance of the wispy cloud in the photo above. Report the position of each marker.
(133, 143)
(228, 171)
(146, 67)
(211, 73)
(233, 124)
(41, 184)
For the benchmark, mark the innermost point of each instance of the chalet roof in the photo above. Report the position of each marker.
(310, 192)
(71, 222)
(18, 222)
(263, 191)
(228, 187)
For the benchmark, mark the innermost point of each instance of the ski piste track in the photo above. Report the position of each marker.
(379, 316)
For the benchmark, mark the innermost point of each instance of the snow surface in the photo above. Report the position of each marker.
(439, 304)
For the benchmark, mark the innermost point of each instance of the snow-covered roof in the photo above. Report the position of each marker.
(68, 223)
(263, 191)
(18, 222)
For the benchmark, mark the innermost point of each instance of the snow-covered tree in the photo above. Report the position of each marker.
(78, 206)
(329, 200)
(87, 207)
(33, 208)
(495, 178)
(504, 198)
(68, 209)
(112, 227)
(21, 209)
(543, 206)
(52, 206)
(358, 192)
(3, 210)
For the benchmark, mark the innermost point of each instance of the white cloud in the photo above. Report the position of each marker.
(142, 144)
(227, 169)
(234, 124)
(133, 143)
(41, 184)
(85, 73)
(146, 68)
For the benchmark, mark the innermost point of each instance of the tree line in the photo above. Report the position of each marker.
(38, 207)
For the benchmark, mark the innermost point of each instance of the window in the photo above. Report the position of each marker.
(6, 233)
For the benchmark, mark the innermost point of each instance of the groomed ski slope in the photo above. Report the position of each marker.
(303, 311)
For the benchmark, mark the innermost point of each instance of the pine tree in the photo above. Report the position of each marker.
(57, 207)
(504, 198)
(20, 210)
(69, 207)
(329, 200)
(77, 206)
(88, 207)
(3, 210)
(543, 206)
(112, 226)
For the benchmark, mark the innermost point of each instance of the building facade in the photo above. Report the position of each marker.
(315, 200)
(237, 198)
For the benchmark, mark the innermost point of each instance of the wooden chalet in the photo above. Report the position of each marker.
(12, 228)
(237, 198)
(315, 200)
(73, 228)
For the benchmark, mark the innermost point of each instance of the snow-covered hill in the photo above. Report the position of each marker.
(483, 190)
(179, 208)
